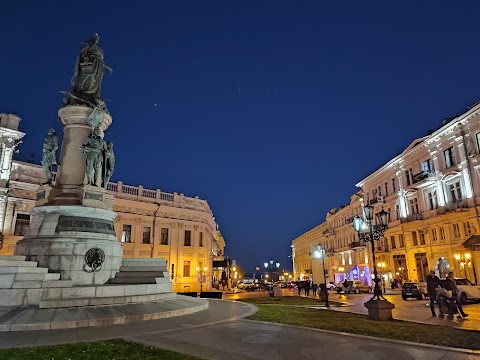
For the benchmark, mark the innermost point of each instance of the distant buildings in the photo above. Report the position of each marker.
(432, 191)
(150, 223)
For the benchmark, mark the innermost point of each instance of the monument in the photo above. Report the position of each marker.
(70, 256)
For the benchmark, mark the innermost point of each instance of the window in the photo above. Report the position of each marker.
(422, 237)
(386, 189)
(442, 233)
(455, 191)
(127, 233)
(434, 235)
(186, 268)
(200, 240)
(379, 190)
(164, 236)
(401, 241)
(397, 211)
(449, 157)
(408, 175)
(188, 238)
(427, 166)
(173, 271)
(393, 185)
(146, 235)
(469, 229)
(456, 230)
(392, 242)
(432, 200)
(414, 238)
(413, 206)
(21, 224)
(477, 137)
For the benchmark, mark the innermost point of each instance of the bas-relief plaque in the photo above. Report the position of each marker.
(41, 195)
(93, 196)
(74, 223)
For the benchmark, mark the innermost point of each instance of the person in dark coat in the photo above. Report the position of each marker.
(314, 289)
(451, 285)
(432, 285)
(307, 287)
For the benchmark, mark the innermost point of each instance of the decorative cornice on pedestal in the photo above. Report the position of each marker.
(76, 115)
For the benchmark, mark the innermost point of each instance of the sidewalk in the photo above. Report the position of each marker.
(220, 333)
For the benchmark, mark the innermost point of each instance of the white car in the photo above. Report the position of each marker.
(467, 290)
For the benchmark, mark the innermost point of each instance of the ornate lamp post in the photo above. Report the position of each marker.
(271, 265)
(320, 253)
(378, 307)
(465, 261)
(202, 275)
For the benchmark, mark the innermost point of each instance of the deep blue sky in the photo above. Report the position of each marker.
(271, 111)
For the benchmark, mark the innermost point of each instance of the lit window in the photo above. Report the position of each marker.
(127, 233)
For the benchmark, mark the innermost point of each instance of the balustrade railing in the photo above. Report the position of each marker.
(139, 193)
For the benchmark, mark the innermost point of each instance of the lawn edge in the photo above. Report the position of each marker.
(394, 341)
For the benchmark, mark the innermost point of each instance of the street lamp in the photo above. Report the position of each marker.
(367, 233)
(465, 261)
(271, 265)
(378, 307)
(201, 275)
(320, 253)
(382, 266)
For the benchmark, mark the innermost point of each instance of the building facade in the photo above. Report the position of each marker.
(432, 191)
(149, 223)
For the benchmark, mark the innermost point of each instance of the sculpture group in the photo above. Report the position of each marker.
(100, 159)
(85, 90)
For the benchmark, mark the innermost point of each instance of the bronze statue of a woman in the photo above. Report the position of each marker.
(89, 69)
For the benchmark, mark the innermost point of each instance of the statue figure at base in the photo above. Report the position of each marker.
(108, 163)
(87, 78)
(49, 154)
(92, 148)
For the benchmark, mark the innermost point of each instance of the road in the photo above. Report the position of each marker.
(220, 332)
(410, 310)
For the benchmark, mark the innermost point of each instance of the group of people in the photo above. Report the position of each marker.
(445, 294)
(307, 285)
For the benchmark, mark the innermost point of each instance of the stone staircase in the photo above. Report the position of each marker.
(23, 282)
(142, 271)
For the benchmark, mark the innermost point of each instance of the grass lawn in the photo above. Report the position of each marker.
(285, 313)
(101, 350)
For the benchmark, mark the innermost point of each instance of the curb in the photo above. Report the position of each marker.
(393, 341)
(117, 320)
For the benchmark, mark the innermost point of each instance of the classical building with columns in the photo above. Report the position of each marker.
(150, 223)
(432, 191)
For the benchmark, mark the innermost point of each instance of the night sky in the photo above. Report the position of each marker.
(272, 111)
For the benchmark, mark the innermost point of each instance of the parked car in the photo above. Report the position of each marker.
(331, 285)
(355, 286)
(467, 290)
(412, 290)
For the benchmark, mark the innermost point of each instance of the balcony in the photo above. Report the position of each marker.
(381, 248)
(329, 232)
(330, 252)
(356, 245)
(423, 178)
(413, 217)
(459, 205)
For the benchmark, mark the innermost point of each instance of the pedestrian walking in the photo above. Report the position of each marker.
(314, 289)
(432, 285)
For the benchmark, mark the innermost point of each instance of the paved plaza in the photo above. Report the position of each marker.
(221, 332)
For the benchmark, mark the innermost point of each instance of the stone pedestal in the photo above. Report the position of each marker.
(71, 218)
(76, 130)
(59, 237)
(379, 309)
